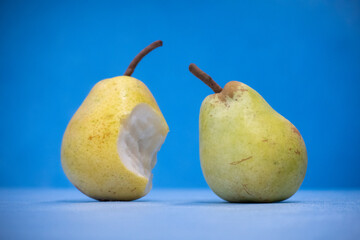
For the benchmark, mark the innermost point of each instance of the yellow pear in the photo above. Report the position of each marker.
(248, 152)
(109, 147)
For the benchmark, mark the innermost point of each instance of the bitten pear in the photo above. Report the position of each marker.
(109, 147)
(248, 151)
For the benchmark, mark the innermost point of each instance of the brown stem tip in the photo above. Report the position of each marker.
(140, 56)
(205, 78)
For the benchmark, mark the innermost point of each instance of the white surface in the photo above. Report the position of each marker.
(177, 214)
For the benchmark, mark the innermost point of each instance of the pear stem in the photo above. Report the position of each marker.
(141, 54)
(205, 78)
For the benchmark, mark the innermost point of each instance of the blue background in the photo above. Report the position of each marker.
(303, 57)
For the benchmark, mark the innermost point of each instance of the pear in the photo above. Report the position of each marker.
(248, 151)
(110, 145)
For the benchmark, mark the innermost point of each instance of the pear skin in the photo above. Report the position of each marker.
(91, 146)
(248, 151)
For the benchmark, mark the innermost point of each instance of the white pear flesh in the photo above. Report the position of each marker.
(139, 141)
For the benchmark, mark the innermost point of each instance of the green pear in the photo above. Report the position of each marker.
(109, 147)
(248, 151)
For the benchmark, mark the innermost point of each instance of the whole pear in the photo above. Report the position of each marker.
(248, 151)
(109, 147)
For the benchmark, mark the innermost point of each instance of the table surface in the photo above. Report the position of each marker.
(177, 214)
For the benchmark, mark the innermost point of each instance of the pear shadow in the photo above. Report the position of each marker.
(224, 203)
(74, 201)
(93, 201)
(67, 202)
